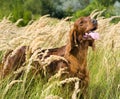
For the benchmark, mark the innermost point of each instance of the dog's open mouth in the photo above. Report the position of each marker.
(94, 35)
(94, 28)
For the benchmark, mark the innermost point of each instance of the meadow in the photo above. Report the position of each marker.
(46, 32)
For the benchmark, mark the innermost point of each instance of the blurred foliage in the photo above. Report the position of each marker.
(99, 5)
(31, 9)
(63, 8)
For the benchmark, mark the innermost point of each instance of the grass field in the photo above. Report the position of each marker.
(103, 64)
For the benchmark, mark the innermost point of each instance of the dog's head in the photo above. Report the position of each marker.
(83, 30)
(85, 25)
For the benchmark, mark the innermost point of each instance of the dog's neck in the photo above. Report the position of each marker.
(77, 56)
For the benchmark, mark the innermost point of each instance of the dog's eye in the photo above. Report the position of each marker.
(81, 23)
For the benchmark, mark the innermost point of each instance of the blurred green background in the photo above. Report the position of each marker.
(32, 9)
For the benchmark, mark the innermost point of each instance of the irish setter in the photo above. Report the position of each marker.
(75, 52)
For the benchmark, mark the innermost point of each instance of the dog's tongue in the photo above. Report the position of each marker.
(94, 35)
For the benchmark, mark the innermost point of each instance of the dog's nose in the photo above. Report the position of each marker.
(94, 21)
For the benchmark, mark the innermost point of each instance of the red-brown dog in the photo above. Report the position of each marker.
(75, 52)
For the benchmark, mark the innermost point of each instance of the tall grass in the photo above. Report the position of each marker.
(103, 64)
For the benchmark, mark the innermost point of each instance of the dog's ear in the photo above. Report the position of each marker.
(72, 40)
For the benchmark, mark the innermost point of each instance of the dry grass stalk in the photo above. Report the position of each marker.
(29, 67)
(76, 90)
(43, 28)
(58, 74)
(53, 97)
(47, 90)
(69, 80)
(53, 58)
(9, 86)
(19, 70)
